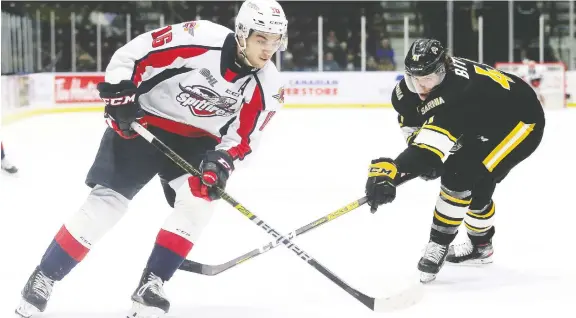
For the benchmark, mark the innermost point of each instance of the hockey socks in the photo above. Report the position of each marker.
(168, 253)
(451, 207)
(480, 223)
(63, 254)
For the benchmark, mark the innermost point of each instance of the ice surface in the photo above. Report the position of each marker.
(309, 163)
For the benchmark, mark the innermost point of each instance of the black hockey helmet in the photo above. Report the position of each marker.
(425, 65)
(424, 57)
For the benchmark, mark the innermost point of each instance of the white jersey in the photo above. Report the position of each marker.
(189, 83)
(533, 74)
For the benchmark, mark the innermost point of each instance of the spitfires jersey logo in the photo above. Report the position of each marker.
(280, 96)
(190, 27)
(204, 102)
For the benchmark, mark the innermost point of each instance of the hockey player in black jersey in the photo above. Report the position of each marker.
(469, 124)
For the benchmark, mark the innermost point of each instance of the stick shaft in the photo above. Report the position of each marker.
(303, 255)
(205, 269)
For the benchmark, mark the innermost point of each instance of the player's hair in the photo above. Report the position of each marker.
(448, 63)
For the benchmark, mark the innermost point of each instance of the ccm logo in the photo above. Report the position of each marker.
(380, 170)
(117, 101)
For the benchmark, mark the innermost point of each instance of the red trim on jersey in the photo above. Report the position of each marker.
(248, 119)
(229, 75)
(174, 243)
(268, 117)
(177, 128)
(70, 245)
(164, 58)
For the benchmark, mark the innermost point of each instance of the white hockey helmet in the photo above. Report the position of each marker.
(263, 16)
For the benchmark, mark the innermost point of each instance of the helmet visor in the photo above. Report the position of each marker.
(270, 42)
(427, 83)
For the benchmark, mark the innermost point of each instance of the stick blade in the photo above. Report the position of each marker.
(194, 267)
(401, 300)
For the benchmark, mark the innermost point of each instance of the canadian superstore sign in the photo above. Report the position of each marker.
(312, 87)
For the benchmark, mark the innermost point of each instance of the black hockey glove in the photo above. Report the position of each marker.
(122, 107)
(433, 173)
(380, 186)
(216, 168)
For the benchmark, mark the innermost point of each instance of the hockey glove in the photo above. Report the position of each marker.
(380, 187)
(122, 107)
(216, 168)
(433, 174)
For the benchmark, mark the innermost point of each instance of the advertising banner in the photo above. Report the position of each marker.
(33, 94)
(16, 94)
(339, 89)
(42, 90)
(77, 88)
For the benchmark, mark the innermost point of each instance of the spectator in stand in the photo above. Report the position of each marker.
(287, 60)
(330, 64)
(385, 55)
(340, 54)
(331, 41)
(371, 64)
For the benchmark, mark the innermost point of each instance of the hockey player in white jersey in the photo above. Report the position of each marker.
(533, 76)
(206, 92)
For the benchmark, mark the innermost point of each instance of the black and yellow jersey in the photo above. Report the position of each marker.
(473, 101)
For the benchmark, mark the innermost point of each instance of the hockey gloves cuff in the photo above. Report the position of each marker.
(122, 107)
(380, 187)
(216, 168)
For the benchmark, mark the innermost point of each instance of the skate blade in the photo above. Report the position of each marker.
(139, 310)
(426, 278)
(26, 309)
(472, 262)
(10, 172)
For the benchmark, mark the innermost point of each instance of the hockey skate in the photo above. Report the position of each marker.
(149, 300)
(35, 294)
(468, 253)
(8, 166)
(432, 261)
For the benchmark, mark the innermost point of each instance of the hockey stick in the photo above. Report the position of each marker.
(211, 270)
(406, 298)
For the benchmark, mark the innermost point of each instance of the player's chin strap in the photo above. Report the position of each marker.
(400, 300)
(243, 51)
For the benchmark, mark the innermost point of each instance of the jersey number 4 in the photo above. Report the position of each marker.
(495, 75)
(162, 37)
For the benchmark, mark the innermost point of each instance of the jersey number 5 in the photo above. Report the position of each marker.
(162, 37)
(495, 75)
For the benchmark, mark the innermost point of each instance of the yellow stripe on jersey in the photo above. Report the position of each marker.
(454, 199)
(434, 150)
(410, 137)
(440, 130)
(409, 132)
(512, 140)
